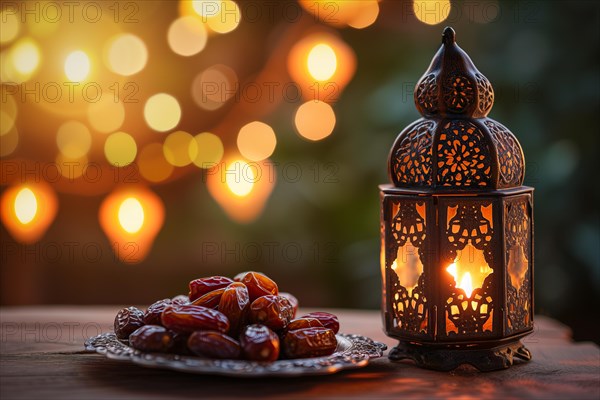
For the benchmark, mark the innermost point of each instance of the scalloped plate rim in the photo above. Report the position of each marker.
(349, 357)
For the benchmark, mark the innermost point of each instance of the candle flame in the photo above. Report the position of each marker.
(25, 206)
(131, 215)
(469, 269)
(466, 284)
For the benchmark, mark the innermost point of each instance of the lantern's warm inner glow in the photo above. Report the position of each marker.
(469, 269)
(25, 206)
(322, 62)
(131, 215)
(517, 266)
(408, 266)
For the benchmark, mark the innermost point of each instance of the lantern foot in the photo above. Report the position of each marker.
(447, 359)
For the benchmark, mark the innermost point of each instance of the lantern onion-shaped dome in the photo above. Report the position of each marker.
(455, 146)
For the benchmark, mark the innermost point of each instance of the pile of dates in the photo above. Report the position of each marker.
(241, 318)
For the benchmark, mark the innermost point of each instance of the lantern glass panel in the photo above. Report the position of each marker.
(467, 260)
(518, 254)
(405, 264)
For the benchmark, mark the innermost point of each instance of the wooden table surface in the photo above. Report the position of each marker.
(42, 357)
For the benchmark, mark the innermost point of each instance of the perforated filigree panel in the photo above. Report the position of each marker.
(510, 156)
(408, 300)
(518, 254)
(459, 93)
(411, 160)
(469, 307)
(463, 156)
(485, 94)
(426, 94)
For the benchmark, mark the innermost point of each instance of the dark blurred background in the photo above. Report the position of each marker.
(317, 234)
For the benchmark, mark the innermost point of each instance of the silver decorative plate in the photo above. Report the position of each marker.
(353, 351)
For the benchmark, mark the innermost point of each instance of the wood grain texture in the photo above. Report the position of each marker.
(42, 356)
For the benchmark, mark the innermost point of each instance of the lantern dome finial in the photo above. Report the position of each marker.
(455, 146)
(448, 36)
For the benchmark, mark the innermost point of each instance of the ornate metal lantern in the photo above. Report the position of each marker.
(457, 227)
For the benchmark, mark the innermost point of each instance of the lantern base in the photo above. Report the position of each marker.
(447, 359)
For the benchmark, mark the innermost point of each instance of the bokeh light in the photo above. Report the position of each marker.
(187, 36)
(208, 149)
(107, 114)
(366, 16)
(322, 65)
(321, 62)
(126, 54)
(9, 26)
(120, 149)
(131, 215)
(227, 17)
(339, 13)
(177, 149)
(240, 178)
(256, 141)
(131, 218)
(162, 112)
(315, 120)
(73, 139)
(152, 163)
(431, 12)
(207, 8)
(27, 210)
(241, 188)
(26, 205)
(212, 87)
(22, 61)
(77, 66)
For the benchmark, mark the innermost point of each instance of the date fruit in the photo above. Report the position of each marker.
(259, 343)
(152, 338)
(199, 287)
(152, 314)
(214, 345)
(128, 320)
(258, 284)
(180, 343)
(309, 342)
(180, 299)
(302, 323)
(187, 318)
(210, 299)
(293, 301)
(328, 320)
(234, 304)
(272, 311)
(241, 318)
